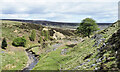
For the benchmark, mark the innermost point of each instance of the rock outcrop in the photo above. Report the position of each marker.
(58, 35)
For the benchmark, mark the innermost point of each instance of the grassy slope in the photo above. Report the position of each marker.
(12, 54)
(107, 34)
(11, 30)
(110, 54)
(52, 60)
(12, 59)
(74, 57)
(15, 58)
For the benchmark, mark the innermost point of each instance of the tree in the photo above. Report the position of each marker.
(33, 35)
(4, 43)
(19, 41)
(87, 27)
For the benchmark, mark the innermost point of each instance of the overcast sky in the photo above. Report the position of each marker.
(60, 10)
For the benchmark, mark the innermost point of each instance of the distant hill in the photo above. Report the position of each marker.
(51, 23)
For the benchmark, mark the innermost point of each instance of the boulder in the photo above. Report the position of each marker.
(45, 29)
(58, 35)
(16, 31)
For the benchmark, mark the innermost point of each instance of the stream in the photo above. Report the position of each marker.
(33, 60)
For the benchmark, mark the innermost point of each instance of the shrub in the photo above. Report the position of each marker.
(40, 40)
(43, 33)
(33, 35)
(4, 43)
(46, 35)
(19, 41)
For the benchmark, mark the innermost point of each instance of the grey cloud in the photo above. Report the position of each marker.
(67, 11)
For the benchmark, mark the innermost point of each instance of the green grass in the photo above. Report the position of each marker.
(54, 60)
(14, 60)
(49, 61)
(8, 33)
(78, 53)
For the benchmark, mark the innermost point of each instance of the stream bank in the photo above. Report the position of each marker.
(32, 61)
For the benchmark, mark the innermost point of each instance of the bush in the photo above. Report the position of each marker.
(4, 43)
(33, 35)
(46, 35)
(20, 41)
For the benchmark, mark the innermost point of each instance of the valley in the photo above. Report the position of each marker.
(59, 48)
